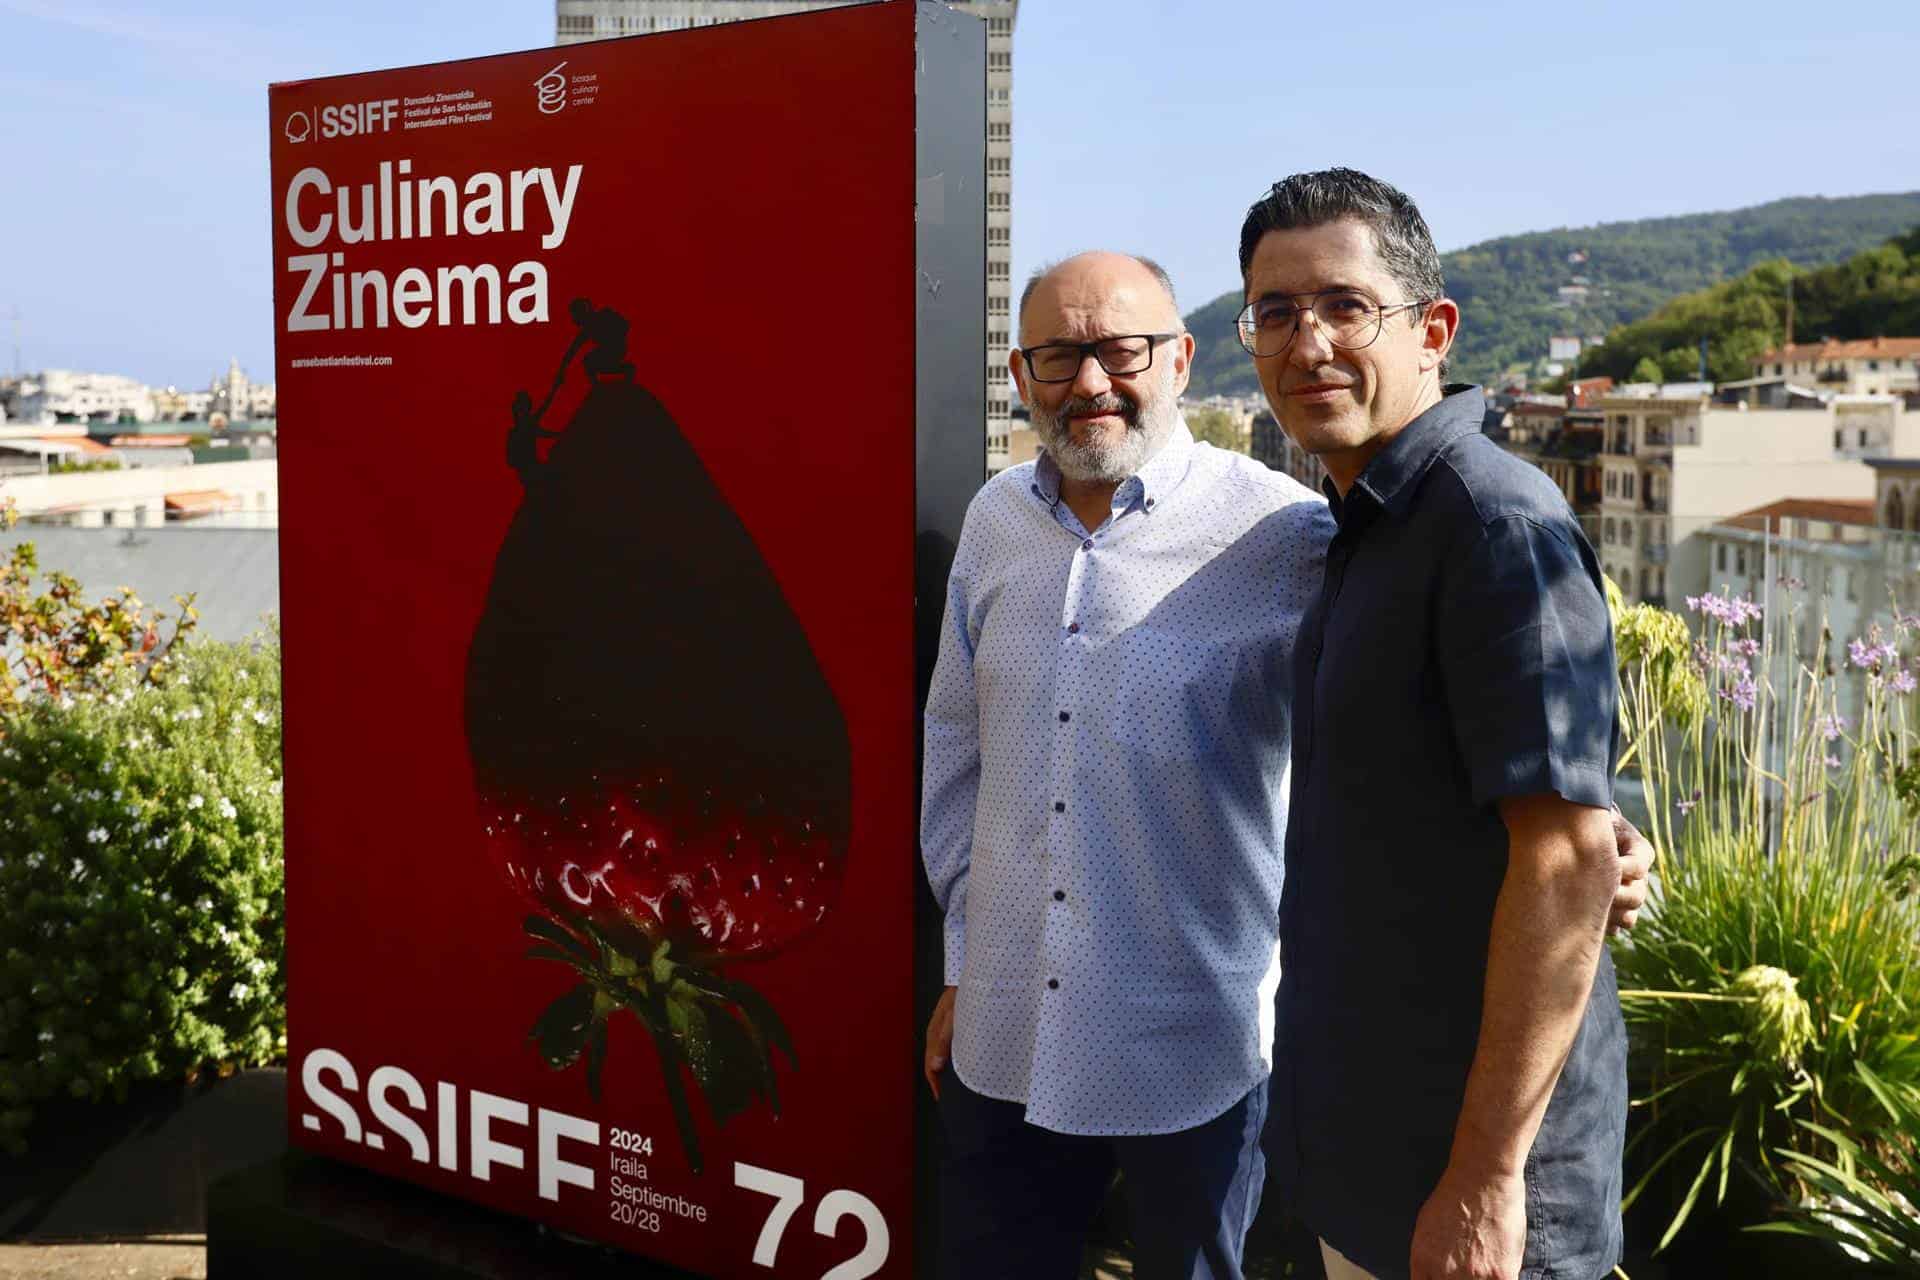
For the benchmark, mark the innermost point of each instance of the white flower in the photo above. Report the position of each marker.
(261, 717)
(195, 801)
(204, 904)
(79, 869)
(256, 966)
(35, 858)
(46, 1037)
(274, 787)
(97, 836)
(225, 934)
(166, 895)
(239, 991)
(226, 808)
(240, 674)
(57, 806)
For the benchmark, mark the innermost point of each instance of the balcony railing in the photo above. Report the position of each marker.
(1655, 503)
(1656, 552)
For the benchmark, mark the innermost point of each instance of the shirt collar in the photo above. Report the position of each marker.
(1387, 483)
(1160, 476)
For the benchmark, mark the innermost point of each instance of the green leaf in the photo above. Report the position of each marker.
(561, 1032)
(547, 930)
(736, 1072)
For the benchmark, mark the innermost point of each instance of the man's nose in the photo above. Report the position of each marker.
(1310, 347)
(1091, 379)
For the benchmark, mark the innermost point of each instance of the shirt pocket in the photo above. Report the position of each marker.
(1172, 692)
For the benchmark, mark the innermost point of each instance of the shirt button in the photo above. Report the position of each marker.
(1053, 984)
(1064, 717)
(1073, 628)
(1059, 895)
(1087, 545)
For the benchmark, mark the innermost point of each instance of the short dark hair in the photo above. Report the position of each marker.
(1400, 234)
(1046, 269)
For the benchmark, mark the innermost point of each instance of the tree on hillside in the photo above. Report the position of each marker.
(1648, 370)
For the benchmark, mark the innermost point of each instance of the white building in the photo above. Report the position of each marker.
(1671, 467)
(577, 20)
(238, 397)
(217, 493)
(65, 395)
(1868, 366)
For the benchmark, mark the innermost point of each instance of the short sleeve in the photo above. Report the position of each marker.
(1525, 647)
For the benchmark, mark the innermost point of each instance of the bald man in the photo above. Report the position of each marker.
(1107, 743)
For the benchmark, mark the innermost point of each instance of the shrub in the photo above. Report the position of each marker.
(1864, 1199)
(141, 922)
(1779, 954)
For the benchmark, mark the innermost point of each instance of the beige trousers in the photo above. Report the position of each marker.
(1338, 1268)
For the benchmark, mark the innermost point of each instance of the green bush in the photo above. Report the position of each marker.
(1864, 1198)
(141, 922)
(1780, 954)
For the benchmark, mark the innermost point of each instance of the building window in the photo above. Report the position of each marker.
(1740, 562)
(1626, 533)
(1626, 485)
(1863, 437)
(999, 165)
(999, 201)
(996, 305)
(1606, 532)
(997, 408)
(1000, 131)
(996, 337)
(999, 235)
(999, 26)
(1000, 61)
(1896, 511)
(997, 270)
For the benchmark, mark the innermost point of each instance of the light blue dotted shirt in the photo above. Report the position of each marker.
(1105, 785)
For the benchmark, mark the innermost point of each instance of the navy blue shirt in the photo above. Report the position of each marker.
(1459, 652)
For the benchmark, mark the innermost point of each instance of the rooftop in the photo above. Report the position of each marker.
(1855, 349)
(1829, 510)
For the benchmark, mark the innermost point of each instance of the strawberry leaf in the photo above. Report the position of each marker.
(561, 1032)
(546, 930)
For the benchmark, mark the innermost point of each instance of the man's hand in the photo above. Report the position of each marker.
(939, 1040)
(1473, 1227)
(1636, 861)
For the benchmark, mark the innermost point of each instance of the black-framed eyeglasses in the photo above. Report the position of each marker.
(1349, 320)
(1061, 361)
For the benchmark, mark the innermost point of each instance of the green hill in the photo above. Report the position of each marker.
(1508, 289)
(1872, 294)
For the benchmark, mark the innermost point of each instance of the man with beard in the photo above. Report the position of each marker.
(1450, 1095)
(1107, 741)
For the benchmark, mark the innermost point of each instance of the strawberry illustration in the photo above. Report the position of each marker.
(663, 771)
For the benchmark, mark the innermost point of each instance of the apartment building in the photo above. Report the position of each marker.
(577, 20)
(1867, 366)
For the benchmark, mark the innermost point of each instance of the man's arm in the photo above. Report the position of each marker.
(1549, 924)
(950, 787)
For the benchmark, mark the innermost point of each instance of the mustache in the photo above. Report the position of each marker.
(1127, 410)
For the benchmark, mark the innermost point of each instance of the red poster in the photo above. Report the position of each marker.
(596, 379)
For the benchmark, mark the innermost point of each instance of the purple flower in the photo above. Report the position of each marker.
(1872, 656)
(1686, 806)
(1747, 647)
(1833, 762)
(1833, 726)
(1792, 583)
(1904, 682)
(1725, 609)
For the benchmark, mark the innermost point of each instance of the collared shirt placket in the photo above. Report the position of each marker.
(1079, 614)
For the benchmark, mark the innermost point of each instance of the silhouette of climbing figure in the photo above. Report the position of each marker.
(523, 438)
(604, 332)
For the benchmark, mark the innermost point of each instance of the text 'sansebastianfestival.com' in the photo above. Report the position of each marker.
(341, 362)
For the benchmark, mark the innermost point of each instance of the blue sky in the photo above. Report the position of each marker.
(134, 209)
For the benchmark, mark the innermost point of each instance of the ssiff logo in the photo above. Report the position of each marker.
(551, 90)
(299, 127)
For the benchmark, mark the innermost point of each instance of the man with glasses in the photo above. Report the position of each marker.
(1107, 740)
(1449, 1095)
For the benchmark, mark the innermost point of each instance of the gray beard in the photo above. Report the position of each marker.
(1102, 461)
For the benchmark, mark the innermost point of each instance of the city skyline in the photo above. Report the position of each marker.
(135, 229)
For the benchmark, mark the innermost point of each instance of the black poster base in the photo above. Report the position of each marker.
(301, 1217)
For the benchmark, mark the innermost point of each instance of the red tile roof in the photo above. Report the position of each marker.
(1830, 510)
(1856, 349)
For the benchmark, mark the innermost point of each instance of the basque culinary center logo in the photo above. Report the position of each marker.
(299, 127)
(551, 91)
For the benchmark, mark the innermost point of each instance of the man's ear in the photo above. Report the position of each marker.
(1441, 325)
(1017, 365)
(1181, 349)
